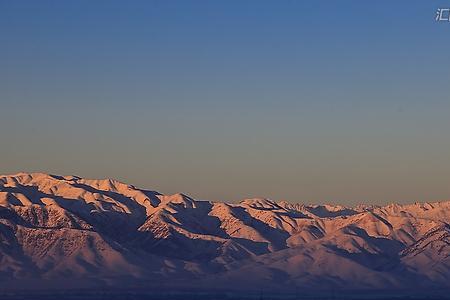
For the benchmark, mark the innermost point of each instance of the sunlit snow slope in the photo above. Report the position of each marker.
(68, 231)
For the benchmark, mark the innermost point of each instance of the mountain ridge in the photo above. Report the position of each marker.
(105, 232)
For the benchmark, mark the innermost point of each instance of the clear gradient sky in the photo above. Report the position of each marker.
(307, 101)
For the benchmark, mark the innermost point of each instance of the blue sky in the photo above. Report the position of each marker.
(309, 101)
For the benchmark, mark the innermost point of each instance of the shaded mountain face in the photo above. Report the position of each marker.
(68, 231)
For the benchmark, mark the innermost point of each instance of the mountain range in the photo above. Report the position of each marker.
(69, 232)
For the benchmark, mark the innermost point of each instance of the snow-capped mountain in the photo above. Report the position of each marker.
(68, 231)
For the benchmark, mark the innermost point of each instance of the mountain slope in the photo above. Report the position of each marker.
(65, 229)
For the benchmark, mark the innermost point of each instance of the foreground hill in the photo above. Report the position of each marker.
(58, 232)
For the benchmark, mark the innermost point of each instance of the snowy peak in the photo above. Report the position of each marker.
(108, 231)
(260, 203)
